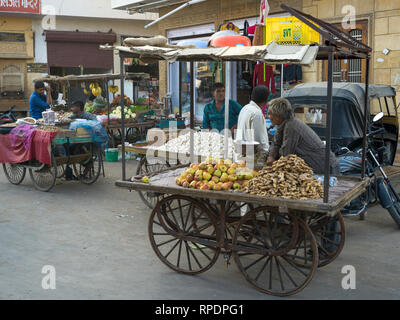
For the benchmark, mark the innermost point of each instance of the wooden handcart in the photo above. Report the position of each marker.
(67, 150)
(276, 243)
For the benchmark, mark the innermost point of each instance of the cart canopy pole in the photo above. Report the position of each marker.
(328, 125)
(227, 93)
(281, 80)
(108, 102)
(366, 115)
(180, 88)
(192, 95)
(122, 76)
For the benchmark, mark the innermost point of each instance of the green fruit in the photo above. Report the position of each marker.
(145, 180)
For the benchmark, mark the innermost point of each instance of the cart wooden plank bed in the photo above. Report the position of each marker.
(276, 243)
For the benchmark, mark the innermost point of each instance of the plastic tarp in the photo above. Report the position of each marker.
(271, 54)
(95, 129)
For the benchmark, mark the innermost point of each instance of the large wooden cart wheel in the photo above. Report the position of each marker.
(329, 233)
(44, 177)
(144, 168)
(182, 234)
(14, 173)
(234, 211)
(266, 245)
(88, 170)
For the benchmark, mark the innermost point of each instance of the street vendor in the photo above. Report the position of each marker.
(39, 101)
(295, 137)
(214, 112)
(78, 110)
(251, 122)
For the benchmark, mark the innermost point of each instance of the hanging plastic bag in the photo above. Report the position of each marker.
(95, 129)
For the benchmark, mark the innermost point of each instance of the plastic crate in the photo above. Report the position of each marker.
(289, 30)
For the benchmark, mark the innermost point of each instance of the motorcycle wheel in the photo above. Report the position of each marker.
(395, 213)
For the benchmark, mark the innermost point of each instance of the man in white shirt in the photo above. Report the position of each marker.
(251, 122)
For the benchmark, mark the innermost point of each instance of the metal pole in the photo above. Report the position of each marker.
(192, 94)
(366, 116)
(122, 80)
(108, 103)
(281, 80)
(328, 126)
(227, 93)
(180, 88)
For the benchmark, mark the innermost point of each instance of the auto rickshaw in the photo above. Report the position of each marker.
(309, 102)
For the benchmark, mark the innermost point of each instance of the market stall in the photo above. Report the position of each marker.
(281, 222)
(108, 112)
(50, 152)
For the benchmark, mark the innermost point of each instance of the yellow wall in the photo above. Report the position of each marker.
(11, 49)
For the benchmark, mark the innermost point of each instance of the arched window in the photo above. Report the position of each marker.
(12, 81)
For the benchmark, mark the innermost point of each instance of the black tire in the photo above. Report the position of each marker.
(395, 213)
(88, 172)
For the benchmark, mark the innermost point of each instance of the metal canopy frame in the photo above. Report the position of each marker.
(104, 78)
(337, 45)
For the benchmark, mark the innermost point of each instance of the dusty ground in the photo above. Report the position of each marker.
(96, 238)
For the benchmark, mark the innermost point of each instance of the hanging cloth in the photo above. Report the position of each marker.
(264, 75)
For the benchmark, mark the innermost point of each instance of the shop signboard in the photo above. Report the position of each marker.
(22, 6)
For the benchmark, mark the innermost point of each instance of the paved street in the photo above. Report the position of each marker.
(96, 238)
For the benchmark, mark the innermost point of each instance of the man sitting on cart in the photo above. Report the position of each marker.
(39, 101)
(295, 137)
(78, 110)
(214, 112)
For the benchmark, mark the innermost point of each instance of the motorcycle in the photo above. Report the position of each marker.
(8, 116)
(381, 188)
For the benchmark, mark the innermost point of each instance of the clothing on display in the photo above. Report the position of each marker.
(264, 10)
(292, 73)
(264, 75)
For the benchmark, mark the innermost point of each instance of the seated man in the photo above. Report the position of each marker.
(251, 123)
(39, 101)
(214, 112)
(77, 108)
(295, 137)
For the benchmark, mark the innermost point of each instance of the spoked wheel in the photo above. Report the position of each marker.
(45, 177)
(88, 171)
(60, 171)
(234, 211)
(182, 234)
(273, 241)
(329, 233)
(145, 167)
(14, 173)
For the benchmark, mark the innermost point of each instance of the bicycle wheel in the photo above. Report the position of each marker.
(89, 170)
(149, 198)
(44, 178)
(14, 173)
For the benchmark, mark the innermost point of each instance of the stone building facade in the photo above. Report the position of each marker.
(377, 23)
